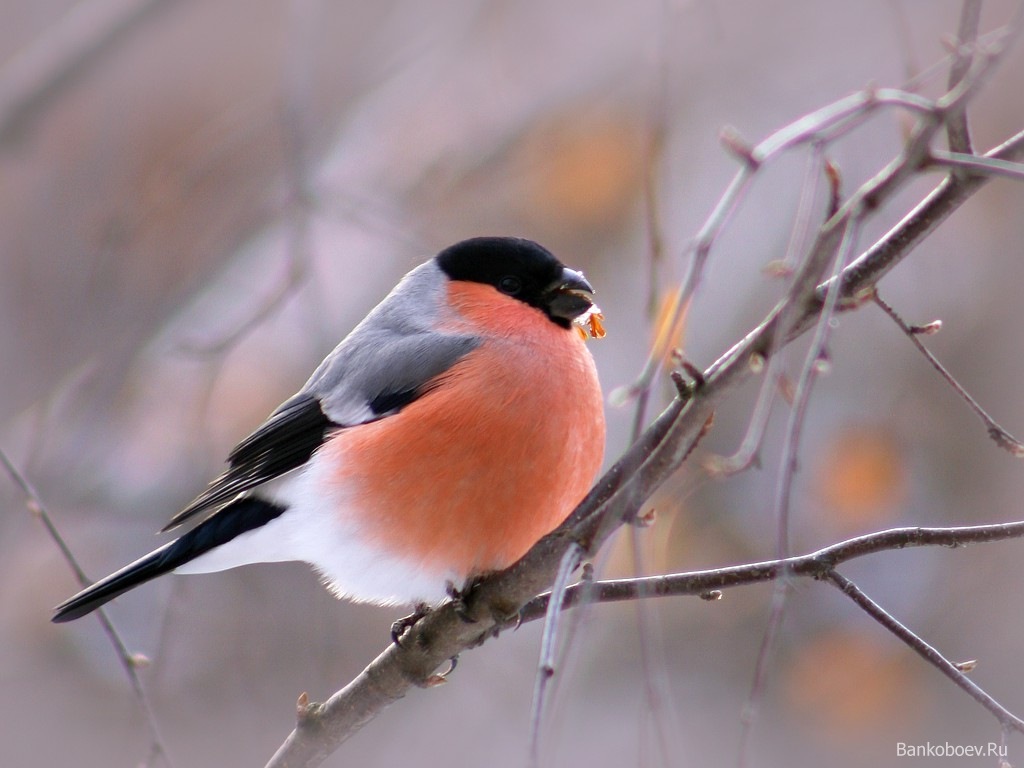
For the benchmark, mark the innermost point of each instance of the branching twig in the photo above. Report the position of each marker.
(665, 444)
(297, 212)
(650, 460)
(817, 127)
(815, 565)
(657, 698)
(660, 450)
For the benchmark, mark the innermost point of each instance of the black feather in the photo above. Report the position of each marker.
(285, 441)
(391, 402)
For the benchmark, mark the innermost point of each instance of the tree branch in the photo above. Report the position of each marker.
(496, 600)
(616, 497)
(815, 565)
(957, 130)
(926, 651)
(996, 431)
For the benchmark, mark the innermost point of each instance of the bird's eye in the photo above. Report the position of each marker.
(510, 284)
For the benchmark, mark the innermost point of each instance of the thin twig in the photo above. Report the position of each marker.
(957, 129)
(812, 128)
(796, 252)
(299, 197)
(656, 696)
(818, 565)
(911, 66)
(872, 265)
(932, 71)
(926, 651)
(654, 150)
(999, 435)
(813, 361)
(819, 126)
(784, 488)
(129, 661)
(805, 276)
(752, 702)
(975, 164)
(549, 651)
(296, 268)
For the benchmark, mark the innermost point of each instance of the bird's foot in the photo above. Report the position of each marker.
(458, 596)
(441, 678)
(406, 623)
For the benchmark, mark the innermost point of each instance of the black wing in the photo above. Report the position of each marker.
(285, 441)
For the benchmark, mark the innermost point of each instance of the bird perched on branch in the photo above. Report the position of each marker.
(458, 423)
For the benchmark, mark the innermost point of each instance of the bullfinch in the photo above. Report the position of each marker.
(458, 423)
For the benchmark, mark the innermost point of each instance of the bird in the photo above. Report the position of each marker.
(458, 423)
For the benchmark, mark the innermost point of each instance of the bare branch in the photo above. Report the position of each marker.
(815, 565)
(784, 488)
(808, 375)
(665, 444)
(548, 651)
(864, 273)
(656, 697)
(927, 652)
(985, 165)
(819, 126)
(618, 494)
(751, 705)
(129, 662)
(999, 435)
(957, 130)
(796, 251)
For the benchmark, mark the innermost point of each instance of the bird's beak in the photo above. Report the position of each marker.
(569, 296)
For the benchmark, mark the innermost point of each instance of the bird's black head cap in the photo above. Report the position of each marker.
(521, 269)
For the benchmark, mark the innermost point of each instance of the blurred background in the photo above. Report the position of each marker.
(199, 199)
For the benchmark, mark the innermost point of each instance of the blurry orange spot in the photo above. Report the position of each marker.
(861, 475)
(846, 684)
(669, 323)
(777, 268)
(584, 172)
(787, 388)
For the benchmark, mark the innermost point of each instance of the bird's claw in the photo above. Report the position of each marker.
(440, 678)
(406, 623)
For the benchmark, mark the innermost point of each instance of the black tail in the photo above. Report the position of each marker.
(239, 516)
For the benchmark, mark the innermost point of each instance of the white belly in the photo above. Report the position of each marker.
(323, 532)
